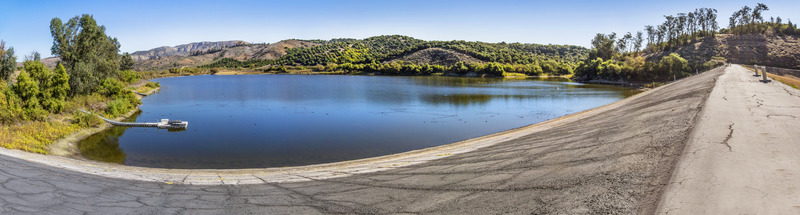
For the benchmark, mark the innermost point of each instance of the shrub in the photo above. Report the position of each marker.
(128, 76)
(112, 87)
(118, 107)
(153, 84)
(674, 66)
(85, 120)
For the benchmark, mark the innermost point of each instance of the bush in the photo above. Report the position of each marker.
(85, 120)
(128, 76)
(118, 107)
(112, 87)
(10, 104)
(153, 84)
(94, 103)
(674, 66)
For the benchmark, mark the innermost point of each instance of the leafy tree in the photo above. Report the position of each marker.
(8, 62)
(126, 62)
(603, 45)
(52, 86)
(34, 56)
(60, 87)
(86, 52)
(637, 41)
(28, 90)
(674, 65)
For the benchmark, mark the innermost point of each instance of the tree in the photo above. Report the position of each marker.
(760, 8)
(34, 56)
(674, 65)
(651, 34)
(637, 41)
(59, 88)
(604, 45)
(52, 86)
(86, 52)
(28, 90)
(126, 62)
(8, 62)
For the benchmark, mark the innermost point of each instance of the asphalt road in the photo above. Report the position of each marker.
(617, 161)
(744, 156)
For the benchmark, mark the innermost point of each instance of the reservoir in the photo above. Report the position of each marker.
(255, 121)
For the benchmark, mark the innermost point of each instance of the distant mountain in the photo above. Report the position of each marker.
(49, 62)
(185, 49)
(201, 53)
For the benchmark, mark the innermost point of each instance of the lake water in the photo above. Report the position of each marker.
(250, 121)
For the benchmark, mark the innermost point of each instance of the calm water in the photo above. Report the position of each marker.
(251, 121)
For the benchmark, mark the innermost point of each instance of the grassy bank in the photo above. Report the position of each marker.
(37, 135)
(790, 80)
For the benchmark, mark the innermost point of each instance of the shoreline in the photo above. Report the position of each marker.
(67, 146)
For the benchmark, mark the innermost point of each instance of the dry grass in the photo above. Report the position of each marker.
(790, 80)
(34, 136)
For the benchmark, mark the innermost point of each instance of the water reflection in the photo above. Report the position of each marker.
(457, 100)
(104, 146)
(252, 121)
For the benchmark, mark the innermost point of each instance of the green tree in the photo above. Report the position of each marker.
(8, 62)
(88, 54)
(28, 90)
(59, 88)
(126, 62)
(674, 65)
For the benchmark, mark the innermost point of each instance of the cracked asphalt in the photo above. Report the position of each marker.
(616, 161)
(744, 153)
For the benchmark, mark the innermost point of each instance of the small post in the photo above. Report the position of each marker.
(764, 74)
(755, 67)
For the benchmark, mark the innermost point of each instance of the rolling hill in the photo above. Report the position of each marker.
(201, 53)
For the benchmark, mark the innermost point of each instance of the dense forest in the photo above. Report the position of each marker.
(376, 54)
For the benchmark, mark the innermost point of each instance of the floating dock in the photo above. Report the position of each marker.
(163, 124)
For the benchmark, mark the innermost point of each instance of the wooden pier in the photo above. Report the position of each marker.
(163, 124)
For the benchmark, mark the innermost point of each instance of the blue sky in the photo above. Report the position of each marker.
(142, 25)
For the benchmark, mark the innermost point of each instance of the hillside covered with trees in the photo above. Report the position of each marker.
(380, 54)
(686, 43)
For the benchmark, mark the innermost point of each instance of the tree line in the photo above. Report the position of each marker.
(751, 21)
(614, 57)
(458, 69)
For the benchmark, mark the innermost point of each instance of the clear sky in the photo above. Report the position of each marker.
(142, 25)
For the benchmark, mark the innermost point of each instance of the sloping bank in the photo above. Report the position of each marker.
(612, 159)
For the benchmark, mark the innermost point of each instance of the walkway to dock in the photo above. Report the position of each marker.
(164, 123)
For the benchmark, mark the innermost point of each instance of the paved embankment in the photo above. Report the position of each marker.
(744, 154)
(615, 159)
